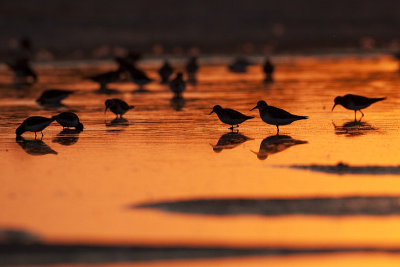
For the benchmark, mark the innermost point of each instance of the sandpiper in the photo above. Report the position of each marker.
(117, 106)
(276, 116)
(191, 68)
(178, 85)
(355, 102)
(268, 69)
(53, 96)
(34, 124)
(139, 77)
(230, 116)
(22, 71)
(103, 79)
(165, 72)
(69, 119)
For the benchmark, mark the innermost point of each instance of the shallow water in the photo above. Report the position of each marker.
(88, 187)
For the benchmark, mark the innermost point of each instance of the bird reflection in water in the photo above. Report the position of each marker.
(67, 137)
(229, 141)
(117, 124)
(177, 103)
(275, 144)
(34, 147)
(353, 128)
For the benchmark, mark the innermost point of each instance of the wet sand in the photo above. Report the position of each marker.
(80, 188)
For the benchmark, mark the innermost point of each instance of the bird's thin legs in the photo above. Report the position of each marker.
(277, 128)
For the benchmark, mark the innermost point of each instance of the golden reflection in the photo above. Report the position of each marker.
(34, 147)
(229, 141)
(67, 137)
(177, 103)
(353, 128)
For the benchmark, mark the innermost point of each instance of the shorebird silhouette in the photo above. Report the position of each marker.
(69, 119)
(117, 106)
(34, 124)
(192, 67)
(103, 79)
(165, 72)
(178, 85)
(275, 144)
(355, 102)
(230, 116)
(53, 97)
(268, 69)
(276, 116)
(23, 72)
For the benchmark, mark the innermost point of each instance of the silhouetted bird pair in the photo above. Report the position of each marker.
(38, 124)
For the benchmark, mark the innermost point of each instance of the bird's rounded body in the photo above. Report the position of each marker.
(230, 116)
(34, 124)
(53, 96)
(69, 119)
(165, 72)
(178, 85)
(117, 106)
(356, 102)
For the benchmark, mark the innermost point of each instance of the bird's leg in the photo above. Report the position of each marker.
(355, 115)
(41, 133)
(361, 114)
(231, 128)
(35, 135)
(277, 128)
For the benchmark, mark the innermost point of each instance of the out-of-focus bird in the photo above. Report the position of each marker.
(165, 72)
(117, 106)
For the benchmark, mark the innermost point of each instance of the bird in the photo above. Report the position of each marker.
(191, 68)
(34, 124)
(69, 119)
(165, 72)
(355, 102)
(103, 79)
(239, 65)
(230, 116)
(23, 72)
(53, 96)
(138, 77)
(229, 141)
(268, 69)
(117, 106)
(178, 85)
(275, 144)
(276, 116)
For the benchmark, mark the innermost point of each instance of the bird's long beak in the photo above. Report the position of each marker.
(211, 112)
(333, 107)
(254, 108)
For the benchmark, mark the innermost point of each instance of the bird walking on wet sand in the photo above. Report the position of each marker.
(117, 106)
(53, 96)
(103, 79)
(276, 116)
(22, 71)
(191, 68)
(34, 124)
(165, 72)
(268, 69)
(355, 102)
(178, 85)
(230, 116)
(69, 119)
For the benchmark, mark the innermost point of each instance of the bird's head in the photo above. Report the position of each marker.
(108, 104)
(260, 105)
(216, 109)
(338, 100)
(20, 130)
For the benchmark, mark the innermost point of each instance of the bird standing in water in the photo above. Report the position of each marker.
(34, 124)
(276, 116)
(230, 116)
(165, 72)
(117, 106)
(69, 119)
(178, 85)
(53, 96)
(355, 102)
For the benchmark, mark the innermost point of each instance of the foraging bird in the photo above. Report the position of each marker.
(229, 141)
(117, 106)
(178, 85)
(191, 68)
(34, 124)
(165, 72)
(69, 119)
(53, 96)
(239, 65)
(268, 69)
(355, 102)
(138, 77)
(230, 116)
(276, 116)
(22, 71)
(103, 79)
(275, 144)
